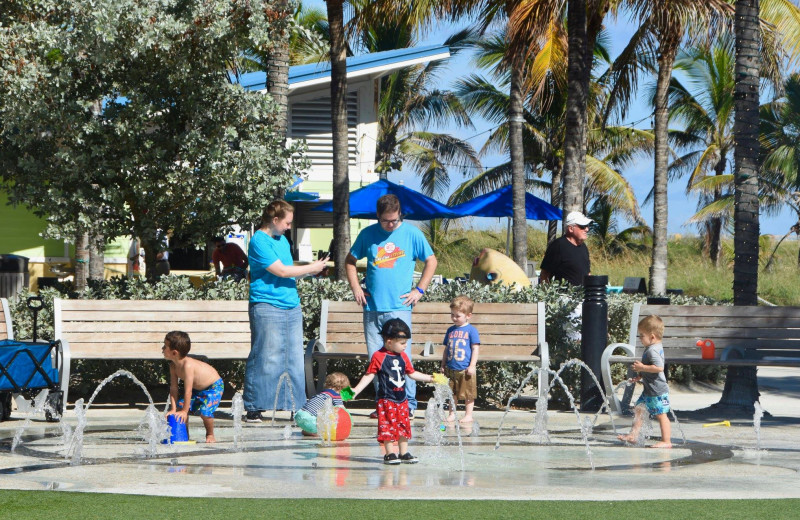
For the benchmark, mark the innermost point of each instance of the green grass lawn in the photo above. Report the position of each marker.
(30, 505)
(689, 268)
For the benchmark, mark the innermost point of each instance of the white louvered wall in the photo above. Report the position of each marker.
(311, 120)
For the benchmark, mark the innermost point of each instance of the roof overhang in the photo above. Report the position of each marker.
(367, 67)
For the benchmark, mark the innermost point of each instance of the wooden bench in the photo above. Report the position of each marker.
(135, 329)
(743, 336)
(509, 332)
(6, 327)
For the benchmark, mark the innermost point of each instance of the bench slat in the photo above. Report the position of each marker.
(718, 310)
(494, 328)
(163, 316)
(134, 338)
(143, 326)
(151, 350)
(441, 320)
(486, 339)
(154, 306)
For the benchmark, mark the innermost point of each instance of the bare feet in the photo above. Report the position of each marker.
(450, 419)
(308, 434)
(627, 438)
(466, 419)
(662, 445)
(210, 439)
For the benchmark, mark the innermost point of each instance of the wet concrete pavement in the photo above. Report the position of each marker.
(715, 462)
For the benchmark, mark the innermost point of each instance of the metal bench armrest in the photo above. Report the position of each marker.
(605, 366)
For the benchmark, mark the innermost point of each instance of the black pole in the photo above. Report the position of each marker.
(594, 335)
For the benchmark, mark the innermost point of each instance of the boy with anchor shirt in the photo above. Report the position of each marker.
(391, 366)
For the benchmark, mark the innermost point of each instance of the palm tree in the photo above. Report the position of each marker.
(341, 180)
(544, 133)
(780, 145)
(309, 41)
(662, 28)
(706, 111)
(408, 102)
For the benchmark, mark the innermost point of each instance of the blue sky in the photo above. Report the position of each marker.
(639, 175)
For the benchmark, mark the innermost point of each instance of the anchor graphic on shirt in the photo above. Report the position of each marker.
(399, 382)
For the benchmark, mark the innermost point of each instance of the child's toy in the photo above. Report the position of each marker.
(347, 394)
(344, 424)
(707, 347)
(179, 434)
(721, 423)
(440, 379)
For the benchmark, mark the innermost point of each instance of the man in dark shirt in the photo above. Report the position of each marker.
(567, 258)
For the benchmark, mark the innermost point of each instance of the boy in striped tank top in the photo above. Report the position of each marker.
(306, 417)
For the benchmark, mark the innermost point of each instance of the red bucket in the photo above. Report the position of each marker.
(707, 348)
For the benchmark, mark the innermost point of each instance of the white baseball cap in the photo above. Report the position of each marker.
(576, 218)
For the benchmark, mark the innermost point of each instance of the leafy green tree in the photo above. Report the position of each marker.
(129, 124)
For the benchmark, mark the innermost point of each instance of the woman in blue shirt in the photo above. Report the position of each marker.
(276, 320)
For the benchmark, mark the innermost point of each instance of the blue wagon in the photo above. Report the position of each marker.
(27, 367)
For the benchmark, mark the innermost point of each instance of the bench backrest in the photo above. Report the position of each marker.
(6, 328)
(135, 329)
(762, 328)
(508, 330)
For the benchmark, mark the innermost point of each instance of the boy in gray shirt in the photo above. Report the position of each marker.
(655, 397)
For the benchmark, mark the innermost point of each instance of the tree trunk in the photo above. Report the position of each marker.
(81, 260)
(278, 70)
(746, 154)
(668, 47)
(515, 122)
(341, 181)
(715, 240)
(576, 119)
(741, 384)
(97, 258)
(555, 200)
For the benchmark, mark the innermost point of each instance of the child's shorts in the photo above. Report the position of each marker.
(463, 386)
(205, 402)
(393, 421)
(306, 421)
(655, 404)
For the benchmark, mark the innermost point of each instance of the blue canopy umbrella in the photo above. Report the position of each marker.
(499, 203)
(415, 205)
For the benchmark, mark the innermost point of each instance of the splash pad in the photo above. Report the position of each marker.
(542, 454)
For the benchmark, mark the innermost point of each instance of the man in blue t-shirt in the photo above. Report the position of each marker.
(391, 249)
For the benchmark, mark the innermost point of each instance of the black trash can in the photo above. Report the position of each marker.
(14, 275)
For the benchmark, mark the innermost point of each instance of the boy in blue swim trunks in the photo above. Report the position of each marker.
(201, 382)
(655, 397)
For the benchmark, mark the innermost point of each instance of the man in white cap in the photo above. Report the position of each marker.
(567, 258)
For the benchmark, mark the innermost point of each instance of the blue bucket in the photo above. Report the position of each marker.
(178, 431)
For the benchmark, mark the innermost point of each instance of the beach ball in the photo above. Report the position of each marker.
(341, 431)
(344, 424)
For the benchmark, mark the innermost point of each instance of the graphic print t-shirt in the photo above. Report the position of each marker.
(390, 263)
(459, 341)
(390, 370)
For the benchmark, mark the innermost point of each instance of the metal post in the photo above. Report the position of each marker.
(594, 334)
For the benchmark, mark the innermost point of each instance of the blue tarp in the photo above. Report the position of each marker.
(416, 206)
(499, 203)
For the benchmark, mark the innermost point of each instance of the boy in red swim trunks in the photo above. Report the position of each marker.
(391, 366)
